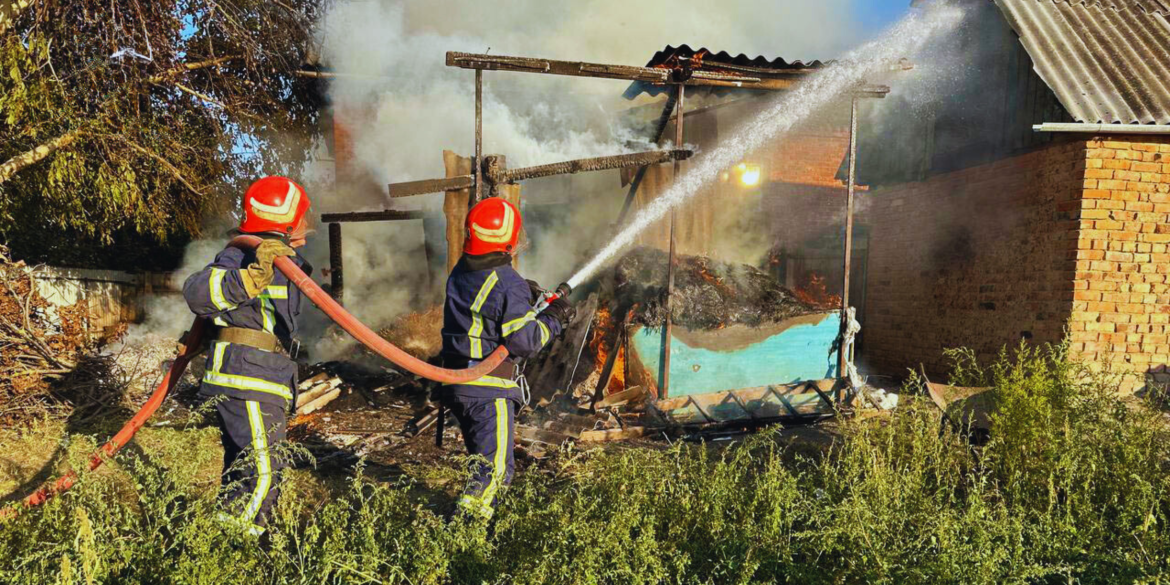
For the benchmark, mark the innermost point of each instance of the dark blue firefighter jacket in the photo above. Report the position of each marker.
(239, 371)
(489, 304)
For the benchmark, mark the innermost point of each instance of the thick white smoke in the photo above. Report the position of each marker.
(404, 107)
(421, 107)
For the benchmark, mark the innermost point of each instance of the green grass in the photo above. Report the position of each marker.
(1071, 488)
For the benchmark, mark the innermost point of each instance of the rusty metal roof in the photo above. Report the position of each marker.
(709, 60)
(1108, 61)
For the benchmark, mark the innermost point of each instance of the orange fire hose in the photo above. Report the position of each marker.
(366, 335)
(193, 345)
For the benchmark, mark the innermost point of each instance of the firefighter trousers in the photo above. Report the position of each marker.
(488, 426)
(251, 433)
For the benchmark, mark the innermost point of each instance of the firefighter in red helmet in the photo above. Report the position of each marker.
(249, 371)
(489, 304)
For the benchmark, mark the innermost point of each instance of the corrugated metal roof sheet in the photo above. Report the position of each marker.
(671, 56)
(1108, 61)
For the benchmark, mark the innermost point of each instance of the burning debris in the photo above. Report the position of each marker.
(708, 294)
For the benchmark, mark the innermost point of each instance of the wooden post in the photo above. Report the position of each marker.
(666, 331)
(457, 203)
(843, 358)
(336, 263)
(478, 161)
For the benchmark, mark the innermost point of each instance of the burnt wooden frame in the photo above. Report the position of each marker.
(738, 77)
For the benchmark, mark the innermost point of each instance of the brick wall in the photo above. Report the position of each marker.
(808, 158)
(980, 258)
(1121, 306)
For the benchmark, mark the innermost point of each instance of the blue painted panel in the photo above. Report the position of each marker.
(799, 353)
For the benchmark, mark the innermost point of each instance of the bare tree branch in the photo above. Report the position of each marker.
(201, 96)
(30, 157)
(191, 67)
(162, 161)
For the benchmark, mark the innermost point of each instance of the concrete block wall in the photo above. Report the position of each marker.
(111, 297)
(978, 258)
(1121, 304)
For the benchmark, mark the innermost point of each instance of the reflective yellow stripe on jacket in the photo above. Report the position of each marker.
(217, 377)
(477, 319)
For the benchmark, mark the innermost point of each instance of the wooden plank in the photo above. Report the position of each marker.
(635, 394)
(312, 381)
(316, 391)
(425, 186)
(613, 434)
(320, 402)
(378, 215)
(782, 81)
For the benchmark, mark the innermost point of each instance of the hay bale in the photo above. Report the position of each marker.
(419, 334)
(708, 294)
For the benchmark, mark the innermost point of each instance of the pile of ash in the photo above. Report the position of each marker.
(708, 294)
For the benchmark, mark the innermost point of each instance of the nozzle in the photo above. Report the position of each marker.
(563, 290)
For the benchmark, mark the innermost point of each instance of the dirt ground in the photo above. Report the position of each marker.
(371, 423)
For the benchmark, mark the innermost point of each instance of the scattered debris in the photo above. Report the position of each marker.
(39, 344)
(316, 392)
(708, 294)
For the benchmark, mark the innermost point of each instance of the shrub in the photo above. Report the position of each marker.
(1071, 487)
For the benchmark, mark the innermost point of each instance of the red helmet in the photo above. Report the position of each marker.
(493, 225)
(274, 204)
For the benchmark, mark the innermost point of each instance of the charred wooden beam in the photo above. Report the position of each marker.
(659, 128)
(553, 67)
(336, 263)
(600, 163)
(431, 186)
(382, 215)
(495, 174)
(626, 72)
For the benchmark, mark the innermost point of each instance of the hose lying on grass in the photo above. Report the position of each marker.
(193, 344)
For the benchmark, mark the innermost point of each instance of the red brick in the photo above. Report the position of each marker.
(1144, 167)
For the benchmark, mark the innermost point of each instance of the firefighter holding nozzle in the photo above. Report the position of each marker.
(254, 310)
(489, 304)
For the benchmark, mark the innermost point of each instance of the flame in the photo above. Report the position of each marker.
(603, 325)
(817, 294)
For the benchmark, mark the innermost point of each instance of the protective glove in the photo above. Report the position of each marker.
(563, 311)
(258, 275)
(534, 287)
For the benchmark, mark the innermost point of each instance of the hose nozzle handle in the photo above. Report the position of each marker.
(561, 291)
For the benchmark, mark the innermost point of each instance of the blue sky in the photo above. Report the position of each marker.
(877, 14)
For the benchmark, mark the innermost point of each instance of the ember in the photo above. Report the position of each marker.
(603, 326)
(815, 293)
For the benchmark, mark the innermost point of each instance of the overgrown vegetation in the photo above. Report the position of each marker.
(39, 344)
(127, 122)
(1071, 487)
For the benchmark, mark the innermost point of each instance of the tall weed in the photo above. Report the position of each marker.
(1071, 487)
